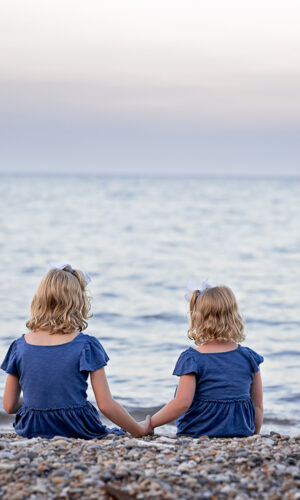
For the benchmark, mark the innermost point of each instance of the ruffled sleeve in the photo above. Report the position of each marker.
(93, 356)
(255, 359)
(186, 364)
(10, 361)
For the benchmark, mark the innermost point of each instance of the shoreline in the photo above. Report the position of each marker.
(280, 425)
(154, 467)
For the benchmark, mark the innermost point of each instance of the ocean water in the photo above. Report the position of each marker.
(142, 239)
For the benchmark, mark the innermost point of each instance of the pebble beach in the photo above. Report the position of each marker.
(155, 467)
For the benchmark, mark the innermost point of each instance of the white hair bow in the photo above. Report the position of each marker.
(192, 286)
(68, 267)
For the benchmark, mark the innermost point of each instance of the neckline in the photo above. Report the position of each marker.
(54, 345)
(220, 352)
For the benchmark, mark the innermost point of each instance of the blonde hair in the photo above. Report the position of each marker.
(61, 304)
(214, 315)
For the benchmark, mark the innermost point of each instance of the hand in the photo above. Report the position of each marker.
(146, 427)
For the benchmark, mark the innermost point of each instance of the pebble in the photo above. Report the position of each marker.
(154, 467)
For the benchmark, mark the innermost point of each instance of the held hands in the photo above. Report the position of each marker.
(146, 427)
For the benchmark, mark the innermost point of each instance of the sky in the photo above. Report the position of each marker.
(136, 86)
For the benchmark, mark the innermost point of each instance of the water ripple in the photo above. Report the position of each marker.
(166, 317)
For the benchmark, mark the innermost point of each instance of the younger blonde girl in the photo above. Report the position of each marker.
(220, 390)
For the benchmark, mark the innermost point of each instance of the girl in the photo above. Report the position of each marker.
(220, 390)
(51, 364)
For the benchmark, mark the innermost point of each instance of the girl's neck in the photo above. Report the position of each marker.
(217, 346)
(43, 337)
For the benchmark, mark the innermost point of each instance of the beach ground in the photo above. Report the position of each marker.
(155, 467)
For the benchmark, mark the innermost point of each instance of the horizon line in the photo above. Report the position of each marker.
(168, 175)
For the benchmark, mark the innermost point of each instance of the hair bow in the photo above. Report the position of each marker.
(68, 267)
(192, 286)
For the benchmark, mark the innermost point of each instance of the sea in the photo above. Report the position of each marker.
(142, 238)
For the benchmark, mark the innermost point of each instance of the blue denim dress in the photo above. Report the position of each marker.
(54, 384)
(221, 406)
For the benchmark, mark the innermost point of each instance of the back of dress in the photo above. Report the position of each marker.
(54, 384)
(222, 405)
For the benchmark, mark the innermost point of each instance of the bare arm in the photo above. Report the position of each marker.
(11, 397)
(113, 410)
(181, 402)
(257, 398)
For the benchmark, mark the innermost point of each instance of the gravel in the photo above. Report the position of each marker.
(154, 467)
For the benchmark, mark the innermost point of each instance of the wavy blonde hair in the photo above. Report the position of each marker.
(61, 304)
(214, 315)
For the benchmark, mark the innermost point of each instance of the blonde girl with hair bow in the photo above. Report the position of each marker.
(51, 364)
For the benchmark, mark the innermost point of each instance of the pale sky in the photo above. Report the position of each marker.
(167, 86)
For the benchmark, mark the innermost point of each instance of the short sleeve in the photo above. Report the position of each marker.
(255, 359)
(10, 361)
(93, 356)
(186, 363)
